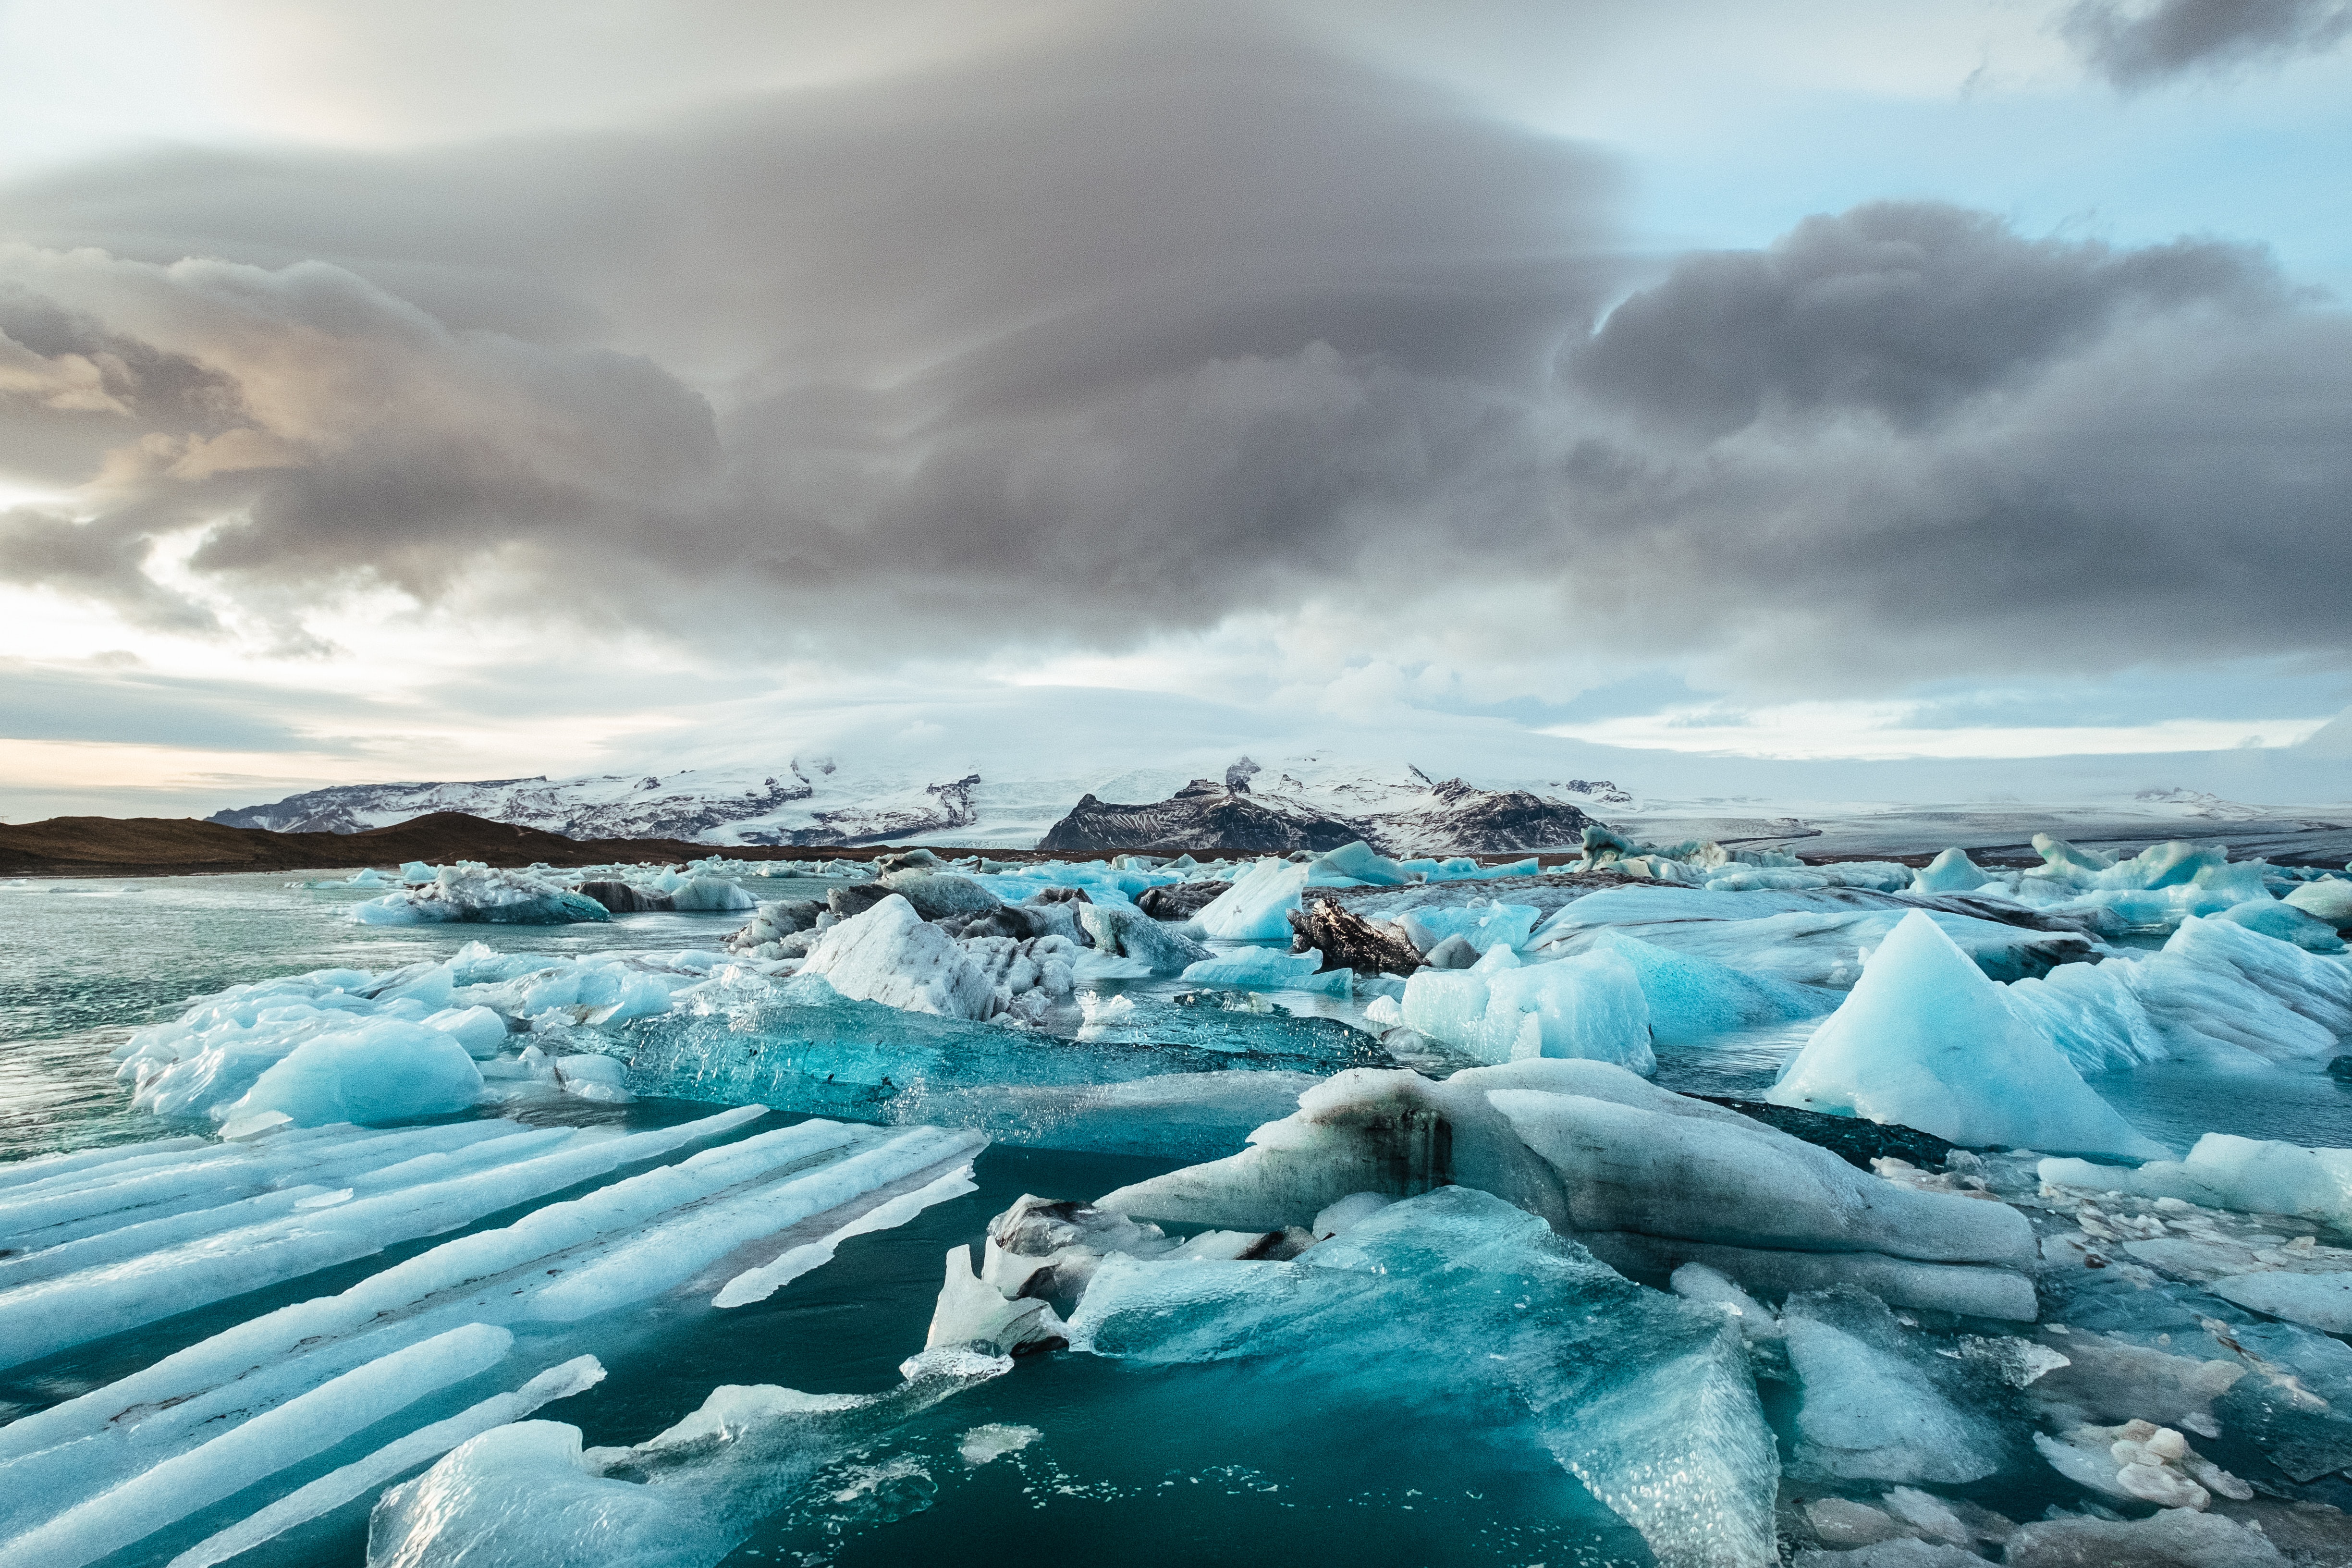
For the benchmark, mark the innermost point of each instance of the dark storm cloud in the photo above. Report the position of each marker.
(1083, 343)
(2134, 45)
(1902, 308)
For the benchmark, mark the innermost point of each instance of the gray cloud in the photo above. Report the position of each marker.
(1904, 308)
(1131, 331)
(103, 561)
(2137, 46)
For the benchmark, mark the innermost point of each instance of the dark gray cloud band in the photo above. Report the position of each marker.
(1078, 343)
(2137, 46)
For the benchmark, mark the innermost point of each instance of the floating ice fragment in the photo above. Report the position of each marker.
(1267, 969)
(2224, 1170)
(2329, 899)
(470, 891)
(384, 1070)
(1870, 1410)
(1257, 907)
(890, 954)
(1927, 1041)
(993, 1441)
(2324, 1301)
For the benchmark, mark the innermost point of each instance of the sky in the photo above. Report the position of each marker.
(430, 391)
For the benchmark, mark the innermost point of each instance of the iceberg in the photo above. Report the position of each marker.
(711, 894)
(2218, 993)
(892, 955)
(1484, 926)
(1357, 864)
(1645, 1399)
(1813, 938)
(2285, 923)
(1192, 1081)
(1927, 1041)
(471, 892)
(1122, 931)
(1648, 1180)
(1589, 1006)
(2329, 899)
(1257, 907)
(1950, 872)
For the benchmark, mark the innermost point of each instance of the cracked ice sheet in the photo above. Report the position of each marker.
(566, 1275)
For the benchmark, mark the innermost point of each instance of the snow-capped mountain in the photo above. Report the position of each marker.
(1324, 809)
(816, 800)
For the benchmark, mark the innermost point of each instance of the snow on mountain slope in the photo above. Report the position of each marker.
(816, 800)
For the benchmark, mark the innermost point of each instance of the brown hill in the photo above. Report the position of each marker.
(157, 845)
(168, 846)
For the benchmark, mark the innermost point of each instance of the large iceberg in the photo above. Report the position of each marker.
(1647, 1179)
(801, 1048)
(1927, 1041)
(890, 954)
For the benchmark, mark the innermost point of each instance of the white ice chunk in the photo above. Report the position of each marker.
(2329, 899)
(712, 894)
(1925, 1041)
(890, 954)
(1950, 872)
(1257, 907)
(471, 892)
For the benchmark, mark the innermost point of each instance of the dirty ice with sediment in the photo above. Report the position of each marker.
(1643, 1202)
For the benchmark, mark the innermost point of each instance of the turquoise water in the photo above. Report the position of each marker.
(1244, 1463)
(1133, 1465)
